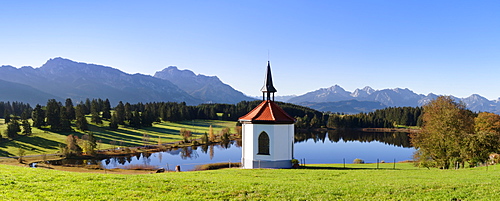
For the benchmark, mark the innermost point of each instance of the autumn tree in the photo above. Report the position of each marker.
(485, 140)
(445, 127)
(185, 134)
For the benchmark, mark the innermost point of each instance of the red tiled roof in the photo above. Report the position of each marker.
(268, 112)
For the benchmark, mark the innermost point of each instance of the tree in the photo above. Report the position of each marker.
(94, 111)
(65, 122)
(485, 140)
(211, 135)
(72, 147)
(12, 129)
(26, 127)
(7, 116)
(70, 109)
(81, 121)
(445, 127)
(106, 110)
(120, 113)
(185, 134)
(53, 115)
(38, 117)
(113, 123)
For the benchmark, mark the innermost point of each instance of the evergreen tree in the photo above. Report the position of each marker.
(128, 112)
(7, 116)
(38, 117)
(106, 110)
(113, 123)
(81, 121)
(12, 129)
(120, 113)
(88, 105)
(70, 109)
(53, 115)
(94, 108)
(135, 119)
(26, 127)
(65, 122)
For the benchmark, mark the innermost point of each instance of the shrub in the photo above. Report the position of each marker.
(295, 161)
(358, 161)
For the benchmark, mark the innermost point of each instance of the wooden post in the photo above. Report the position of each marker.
(344, 163)
(377, 163)
(394, 167)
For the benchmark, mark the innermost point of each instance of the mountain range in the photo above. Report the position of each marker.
(61, 78)
(207, 88)
(366, 99)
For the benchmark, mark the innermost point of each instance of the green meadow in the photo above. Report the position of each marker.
(47, 142)
(315, 182)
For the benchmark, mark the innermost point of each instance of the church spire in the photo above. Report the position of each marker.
(268, 87)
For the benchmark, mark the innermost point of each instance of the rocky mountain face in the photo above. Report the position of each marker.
(62, 78)
(335, 98)
(207, 88)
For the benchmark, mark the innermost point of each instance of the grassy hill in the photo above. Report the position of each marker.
(321, 182)
(47, 142)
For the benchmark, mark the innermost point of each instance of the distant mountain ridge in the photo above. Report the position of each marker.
(207, 88)
(396, 97)
(68, 79)
(61, 78)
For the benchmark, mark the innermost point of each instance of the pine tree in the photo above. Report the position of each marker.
(26, 127)
(12, 129)
(65, 122)
(70, 109)
(94, 108)
(120, 113)
(128, 112)
(53, 115)
(87, 106)
(113, 123)
(7, 116)
(38, 117)
(106, 110)
(81, 121)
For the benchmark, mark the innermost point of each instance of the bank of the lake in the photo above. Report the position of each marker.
(318, 182)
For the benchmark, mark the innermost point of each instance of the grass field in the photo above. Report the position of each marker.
(47, 142)
(321, 182)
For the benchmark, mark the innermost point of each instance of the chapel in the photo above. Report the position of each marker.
(267, 132)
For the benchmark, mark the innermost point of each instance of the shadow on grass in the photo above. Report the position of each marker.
(29, 143)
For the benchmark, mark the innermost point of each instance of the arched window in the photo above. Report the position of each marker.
(263, 144)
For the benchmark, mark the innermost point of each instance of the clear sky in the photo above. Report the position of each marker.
(443, 47)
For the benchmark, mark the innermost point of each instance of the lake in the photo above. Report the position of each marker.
(316, 148)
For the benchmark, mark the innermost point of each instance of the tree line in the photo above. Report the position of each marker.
(383, 118)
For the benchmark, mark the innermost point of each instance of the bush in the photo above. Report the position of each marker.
(358, 161)
(295, 161)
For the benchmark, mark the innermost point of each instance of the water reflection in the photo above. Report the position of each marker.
(317, 147)
(399, 139)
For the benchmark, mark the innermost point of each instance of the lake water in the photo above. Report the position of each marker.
(316, 148)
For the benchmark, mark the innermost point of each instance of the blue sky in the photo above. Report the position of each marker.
(444, 47)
